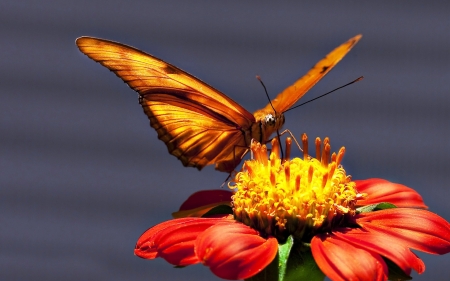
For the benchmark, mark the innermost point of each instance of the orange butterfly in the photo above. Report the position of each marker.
(199, 124)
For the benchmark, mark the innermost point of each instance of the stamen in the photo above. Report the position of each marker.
(318, 147)
(254, 148)
(297, 182)
(288, 148)
(325, 153)
(272, 178)
(331, 169)
(324, 180)
(324, 160)
(333, 157)
(260, 152)
(275, 147)
(340, 156)
(273, 160)
(305, 146)
(287, 172)
(263, 152)
(310, 174)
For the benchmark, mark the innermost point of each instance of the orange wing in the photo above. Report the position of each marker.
(199, 124)
(293, 93)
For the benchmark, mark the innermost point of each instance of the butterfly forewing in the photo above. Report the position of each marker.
(289, 96)
(143, 72)
(199, 124)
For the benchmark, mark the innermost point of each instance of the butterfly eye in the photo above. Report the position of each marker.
(269, 120)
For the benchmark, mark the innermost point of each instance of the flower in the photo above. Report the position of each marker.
(354, 228)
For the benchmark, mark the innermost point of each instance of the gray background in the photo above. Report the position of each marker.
(83, 174)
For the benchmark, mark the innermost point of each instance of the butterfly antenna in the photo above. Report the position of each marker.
(354, 81)
(265, 90)
(267, 95)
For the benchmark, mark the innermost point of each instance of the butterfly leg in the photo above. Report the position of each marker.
(292, 136)
(242, 156)
(225, 181)
(236, 161)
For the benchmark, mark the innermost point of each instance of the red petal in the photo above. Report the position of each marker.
(413, 228)
(380, 190)
(340, 260)
(173, 240)
(383, 245)
(235, 251)
(206, 197)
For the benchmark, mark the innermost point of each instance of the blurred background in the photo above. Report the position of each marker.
(83, 174)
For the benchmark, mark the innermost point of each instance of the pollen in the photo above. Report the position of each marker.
(300, 197)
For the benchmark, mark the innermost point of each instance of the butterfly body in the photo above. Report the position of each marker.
(199, 124)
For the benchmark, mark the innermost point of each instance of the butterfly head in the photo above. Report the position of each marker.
(270, 123)
(274, 121)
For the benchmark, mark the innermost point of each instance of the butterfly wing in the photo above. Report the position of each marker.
(199, 124)
(287, 98)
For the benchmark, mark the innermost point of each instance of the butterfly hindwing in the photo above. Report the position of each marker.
(193, 133)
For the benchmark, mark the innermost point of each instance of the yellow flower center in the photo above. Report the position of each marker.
(298, 197)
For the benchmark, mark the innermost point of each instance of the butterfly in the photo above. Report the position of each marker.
(199, 124)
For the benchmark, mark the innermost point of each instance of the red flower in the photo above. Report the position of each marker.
(231, 249)
(353, 249)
